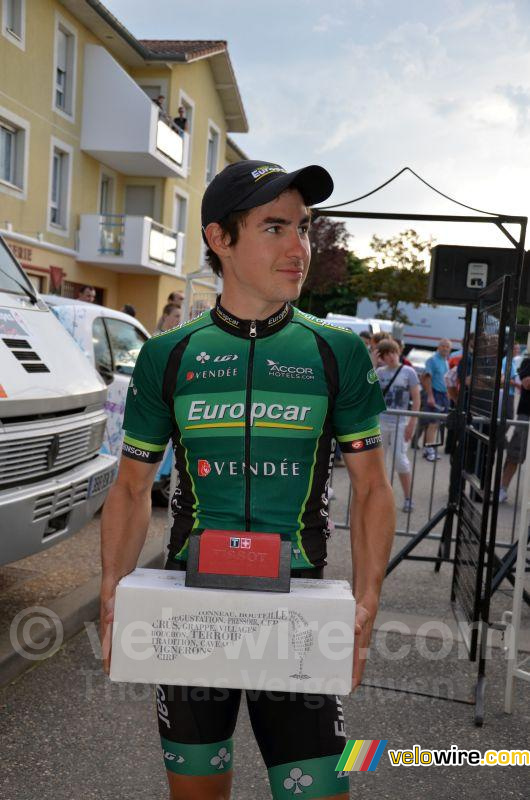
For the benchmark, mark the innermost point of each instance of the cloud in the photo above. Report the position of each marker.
(326, 22)
(518, 99)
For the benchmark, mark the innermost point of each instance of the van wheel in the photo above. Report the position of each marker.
(160, 496)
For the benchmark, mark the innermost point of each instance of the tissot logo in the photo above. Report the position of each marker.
(227, 372)
(265, 469)
(278, 370)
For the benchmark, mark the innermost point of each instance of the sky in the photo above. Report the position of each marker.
(367, 87)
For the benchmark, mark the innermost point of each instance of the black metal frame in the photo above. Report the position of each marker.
(452, 510)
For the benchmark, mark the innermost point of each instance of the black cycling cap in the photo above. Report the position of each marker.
(248, 184)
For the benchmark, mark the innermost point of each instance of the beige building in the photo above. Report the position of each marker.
(98, 185)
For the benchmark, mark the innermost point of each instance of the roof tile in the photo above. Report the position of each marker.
(190, 49)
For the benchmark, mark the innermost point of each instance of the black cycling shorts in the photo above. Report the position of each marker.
(300, 736)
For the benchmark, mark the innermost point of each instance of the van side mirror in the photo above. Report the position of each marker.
(106, 373)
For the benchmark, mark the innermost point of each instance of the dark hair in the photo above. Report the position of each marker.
(90, 288)
(365, 335)
(128, 309)
(230, 226)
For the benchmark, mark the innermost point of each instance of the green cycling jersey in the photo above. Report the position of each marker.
(253, 409)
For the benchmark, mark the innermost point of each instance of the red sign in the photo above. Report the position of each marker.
(240, 553)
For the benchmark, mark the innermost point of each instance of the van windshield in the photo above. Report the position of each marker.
(12, 278)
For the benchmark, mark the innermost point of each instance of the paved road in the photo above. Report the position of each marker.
(67, 732)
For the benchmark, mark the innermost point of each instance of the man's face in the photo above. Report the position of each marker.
(88, 295)
(444, 348)
(271, 257)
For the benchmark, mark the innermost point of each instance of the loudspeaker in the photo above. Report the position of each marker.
(458, 274)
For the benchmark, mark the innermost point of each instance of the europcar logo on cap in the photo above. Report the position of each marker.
(266, 169)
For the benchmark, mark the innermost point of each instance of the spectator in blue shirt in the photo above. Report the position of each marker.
(435, 388)
(514, 379)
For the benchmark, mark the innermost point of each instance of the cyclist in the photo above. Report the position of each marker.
(254, 394)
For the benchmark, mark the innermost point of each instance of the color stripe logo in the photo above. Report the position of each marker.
(361, 755)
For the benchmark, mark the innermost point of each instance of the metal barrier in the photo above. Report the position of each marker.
(429, 501)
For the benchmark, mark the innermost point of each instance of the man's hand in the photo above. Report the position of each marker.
(106, 619)
(364, 622)
(372, 522)
(409, 430)
(124, 524)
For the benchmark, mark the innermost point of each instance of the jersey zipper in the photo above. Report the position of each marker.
(248, 401)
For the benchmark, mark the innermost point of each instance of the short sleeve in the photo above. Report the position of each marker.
(429, 367)
(412, 377)
(358, 403)
(147, 421)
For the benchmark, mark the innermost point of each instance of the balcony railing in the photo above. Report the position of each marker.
(121, 126)
(130, 244)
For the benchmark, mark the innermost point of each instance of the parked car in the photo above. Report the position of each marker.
(53, 477)
(111, 342)
(372, 324)
(418, 358)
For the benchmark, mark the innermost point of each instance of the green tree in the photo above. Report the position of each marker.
(328, 284)
(400, 275)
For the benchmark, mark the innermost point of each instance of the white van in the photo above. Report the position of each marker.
(111, 341)
(53, 478)
(427, 324)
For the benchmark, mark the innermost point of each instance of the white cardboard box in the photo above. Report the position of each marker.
(165, 632)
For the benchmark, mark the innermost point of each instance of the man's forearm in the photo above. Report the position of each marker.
(124, 525)
(373, 523)
(426, 382)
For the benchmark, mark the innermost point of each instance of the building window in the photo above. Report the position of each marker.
(189, 109)
(181, 213)
(106, 194)
(61, 160)
(65, 53)
(14, 21)
(13, 161)
(8, 137)
(181, 221)
(212, 153)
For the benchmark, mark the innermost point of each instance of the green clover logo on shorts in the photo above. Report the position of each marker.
(297, 779)
(371, 376)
